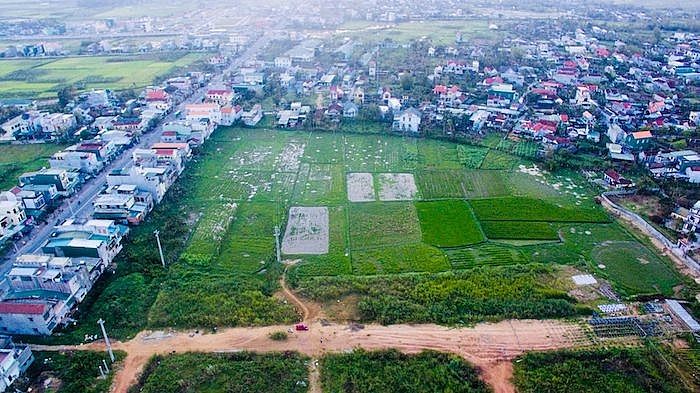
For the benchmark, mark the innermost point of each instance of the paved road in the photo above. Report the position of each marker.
(80, 204)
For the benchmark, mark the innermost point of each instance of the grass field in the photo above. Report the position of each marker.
(393, 371)
(378, 224)
(439, 32)
(448, 224)
(518, 230)
(18, 159)
(635, 268)
(526, 209)
(484, 254)
(43, 78)
(434, 184)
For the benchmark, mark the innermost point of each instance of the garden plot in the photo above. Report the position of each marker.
(360, 187)
(397, 187)
(307, 231)
(206, 239)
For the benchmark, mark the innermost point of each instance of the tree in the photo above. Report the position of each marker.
(65, 96)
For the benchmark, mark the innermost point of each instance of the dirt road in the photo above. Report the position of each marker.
(488, 346)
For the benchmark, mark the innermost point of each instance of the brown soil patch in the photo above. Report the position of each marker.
(343, 310)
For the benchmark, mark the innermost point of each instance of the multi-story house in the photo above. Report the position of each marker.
(14, 360)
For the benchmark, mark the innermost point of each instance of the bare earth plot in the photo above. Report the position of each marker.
(360, 187)
(307, 231)
(397, 187)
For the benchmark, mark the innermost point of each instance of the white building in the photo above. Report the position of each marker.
(76, 160)
(14, 360)
(407, 121)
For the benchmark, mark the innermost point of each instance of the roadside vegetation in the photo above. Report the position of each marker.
(606, 370)
(69, 372)
(242, 372)
(393, 371)
(461, 297)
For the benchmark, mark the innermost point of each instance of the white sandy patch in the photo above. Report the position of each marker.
(307, 231)
(397, 187)
(360, 187)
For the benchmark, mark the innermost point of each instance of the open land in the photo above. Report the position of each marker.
(42, 78)
(514, 263)
(18, 159)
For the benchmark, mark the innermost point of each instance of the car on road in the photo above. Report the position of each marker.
(301, 327)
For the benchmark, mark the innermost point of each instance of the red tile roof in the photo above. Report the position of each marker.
(22, 308)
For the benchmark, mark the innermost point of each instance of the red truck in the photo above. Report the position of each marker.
(301, 327)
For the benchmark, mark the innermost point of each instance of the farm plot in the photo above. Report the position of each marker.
(499, 160)
(518, 230)
(448, 223)
(249, 243)
(44, 78)
(337, 261)
(245, 185)
(360, 187)
(307, 231)
(320, 184)
(205, 242)
(377, 154)
(634, 268)
(288, 159)
(381, 224)
(484, 254)
(471, 156)
(434, 154)
(324, 149)
(442, 184)
(397, 187)
(402, 258)
(528, 209)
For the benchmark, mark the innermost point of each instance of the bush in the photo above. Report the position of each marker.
(278, 336)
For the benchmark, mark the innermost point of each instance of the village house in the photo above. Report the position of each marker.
(85, 162)
(407, 121)
(76, 240)
(616, 180)
(15, 359)
(64, 181)
(46, 276)
(12, 216)
(32, 317)
(209, 111)
(223, 97)
(155, 181)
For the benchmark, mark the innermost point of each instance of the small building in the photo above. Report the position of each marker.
(33, 317)
(407, 121)
(614, 179)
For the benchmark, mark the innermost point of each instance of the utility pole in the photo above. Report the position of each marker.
(277, 242)
(104, 333)
(160, 249)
